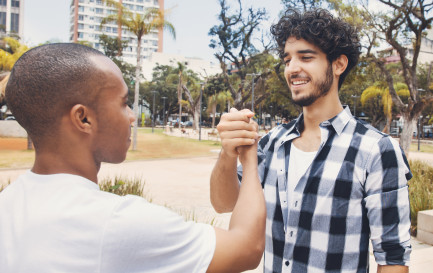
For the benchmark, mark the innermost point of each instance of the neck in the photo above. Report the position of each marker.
(322, 109)
(53, 162)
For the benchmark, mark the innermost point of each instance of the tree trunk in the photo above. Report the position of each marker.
(196, 117)
(213, 115)
(407, 133)
(136, 92)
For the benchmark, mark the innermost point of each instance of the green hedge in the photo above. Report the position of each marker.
(420, 190)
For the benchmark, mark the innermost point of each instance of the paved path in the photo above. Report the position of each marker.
(183, 184)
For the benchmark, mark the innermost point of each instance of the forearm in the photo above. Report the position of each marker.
(249, 214)
(224, 186)
(392, 269)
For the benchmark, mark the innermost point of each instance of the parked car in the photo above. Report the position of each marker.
(10, 118)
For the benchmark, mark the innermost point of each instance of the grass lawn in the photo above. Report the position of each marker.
(425, 148)
(13, 153)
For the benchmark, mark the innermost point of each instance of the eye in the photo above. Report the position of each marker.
(307, 58)
(286, 61)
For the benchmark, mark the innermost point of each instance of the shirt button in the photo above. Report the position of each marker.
(291, 233)
(287, 263)
(296, 204)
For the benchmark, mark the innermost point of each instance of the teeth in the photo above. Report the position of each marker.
(299, 82)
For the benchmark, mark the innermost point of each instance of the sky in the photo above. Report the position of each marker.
(48, 20)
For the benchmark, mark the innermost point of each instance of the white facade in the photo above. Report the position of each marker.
(86, 16)
(11, 17)
(202, 67)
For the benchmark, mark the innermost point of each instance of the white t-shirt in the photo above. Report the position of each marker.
(298, 165)
(64, 223)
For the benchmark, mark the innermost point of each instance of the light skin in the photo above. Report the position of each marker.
(306, 70)
(89, 135)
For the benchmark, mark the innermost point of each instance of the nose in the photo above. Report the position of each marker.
(132, 116)
(293, 67)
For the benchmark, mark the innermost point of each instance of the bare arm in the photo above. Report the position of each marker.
(392, 269)
(235, 130)
(241, 247)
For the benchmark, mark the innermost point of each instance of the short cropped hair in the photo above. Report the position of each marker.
(47, 81)
(318, 27)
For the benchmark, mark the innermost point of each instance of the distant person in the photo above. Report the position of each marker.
(73, 103)
(331, 182)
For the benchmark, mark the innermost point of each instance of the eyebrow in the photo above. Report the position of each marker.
(304, 51)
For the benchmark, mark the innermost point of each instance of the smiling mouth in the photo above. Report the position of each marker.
(299, 82)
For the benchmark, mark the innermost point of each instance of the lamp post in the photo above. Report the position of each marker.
(419, 132)
(163, 112)
(199, 122)
(354, 104)
(420, 129)
(153, 112)
(252, 89)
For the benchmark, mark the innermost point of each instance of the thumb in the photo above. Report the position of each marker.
(233, 110)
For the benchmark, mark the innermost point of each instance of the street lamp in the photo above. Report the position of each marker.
(199, 122)
(163, 113)
(354, 104)
(153, 112)
(252, 89)
(420, 127)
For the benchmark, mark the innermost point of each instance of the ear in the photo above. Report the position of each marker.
(340, 64)
(82, 118)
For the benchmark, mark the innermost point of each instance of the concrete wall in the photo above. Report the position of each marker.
(425, 226)
(11, 128)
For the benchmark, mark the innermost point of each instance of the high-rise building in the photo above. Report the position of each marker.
(86, 16)
(11, 17)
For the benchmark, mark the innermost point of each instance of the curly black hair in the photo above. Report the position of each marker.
(317, 26)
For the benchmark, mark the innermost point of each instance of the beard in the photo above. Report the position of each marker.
(321, 88)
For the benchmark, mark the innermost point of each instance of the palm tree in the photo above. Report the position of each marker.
(140, 25)
(221, 99)
(380, 90)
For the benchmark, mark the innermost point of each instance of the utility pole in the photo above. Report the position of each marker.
(163, 112)
(354, 104)
(153, 112)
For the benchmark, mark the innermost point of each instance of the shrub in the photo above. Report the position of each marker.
(420, 190)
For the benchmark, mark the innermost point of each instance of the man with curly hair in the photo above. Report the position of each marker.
(331, 182)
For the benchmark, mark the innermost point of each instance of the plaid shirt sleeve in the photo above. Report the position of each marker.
(387, 202)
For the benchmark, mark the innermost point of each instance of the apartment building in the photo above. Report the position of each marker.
(85, 25)
(11, 17)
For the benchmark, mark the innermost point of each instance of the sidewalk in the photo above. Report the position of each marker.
(183, 185)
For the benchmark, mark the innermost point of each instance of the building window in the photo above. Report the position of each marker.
(3, 21)
(139, 1)
(80, 35)
(99, 2)
(15, 19)
(3, 3)
(80, 17)
(99, 10)
(80, 26)
(139, 8)
(81, 8)
(15, 3)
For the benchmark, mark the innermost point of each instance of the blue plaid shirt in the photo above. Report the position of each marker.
(354, 190)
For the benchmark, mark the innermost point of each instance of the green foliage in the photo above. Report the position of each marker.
(10, 52)
(420, 190)
(123, 186)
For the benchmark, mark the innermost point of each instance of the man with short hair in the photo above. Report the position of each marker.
(73, 103)
(331, 182)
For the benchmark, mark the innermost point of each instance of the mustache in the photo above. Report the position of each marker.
(299, 76)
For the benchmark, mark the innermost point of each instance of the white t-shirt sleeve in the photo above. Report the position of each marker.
(142, 237)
